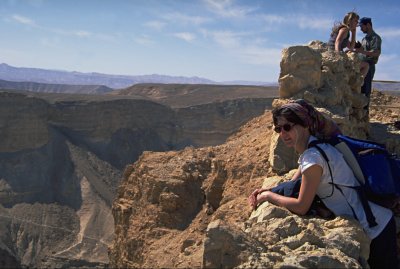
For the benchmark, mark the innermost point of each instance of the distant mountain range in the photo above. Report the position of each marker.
(53, 88)
(23, 74)
(44, 80)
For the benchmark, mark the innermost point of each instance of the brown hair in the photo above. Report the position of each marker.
(349, 16)
(345, 23)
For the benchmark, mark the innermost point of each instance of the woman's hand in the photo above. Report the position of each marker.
(257, 196)
(253, 198)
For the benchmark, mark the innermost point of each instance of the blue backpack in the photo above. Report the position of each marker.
(377, 171)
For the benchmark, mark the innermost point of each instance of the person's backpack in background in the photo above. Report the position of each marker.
(377, 170)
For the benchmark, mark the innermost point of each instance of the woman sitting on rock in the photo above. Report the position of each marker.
(340, 37)
(298, 123)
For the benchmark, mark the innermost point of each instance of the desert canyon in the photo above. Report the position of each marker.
(157, 175)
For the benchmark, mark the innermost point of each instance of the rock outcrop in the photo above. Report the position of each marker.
(189, 208)
(331, 82)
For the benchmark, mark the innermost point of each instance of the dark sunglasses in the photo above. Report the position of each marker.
(286, 127)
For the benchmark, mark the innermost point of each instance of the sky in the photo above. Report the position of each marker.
(221, 40)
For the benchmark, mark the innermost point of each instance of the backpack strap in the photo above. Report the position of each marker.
(359, 189)
(350, 159)
(314, 144)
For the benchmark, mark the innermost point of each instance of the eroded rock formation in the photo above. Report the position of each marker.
(189, 208)
(62, 158)
(331, 82)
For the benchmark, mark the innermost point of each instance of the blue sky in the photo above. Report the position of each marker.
(222, 40)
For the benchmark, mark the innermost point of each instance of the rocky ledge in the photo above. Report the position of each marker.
(189, 208)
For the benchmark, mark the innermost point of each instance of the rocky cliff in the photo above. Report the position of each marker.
(185, 95)
(189, 208)
(62, 157)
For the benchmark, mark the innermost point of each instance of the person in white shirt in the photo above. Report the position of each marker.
(298, 124)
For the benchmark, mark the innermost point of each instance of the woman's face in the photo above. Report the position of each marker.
(293, 135)
(287, 131)
(353, 23)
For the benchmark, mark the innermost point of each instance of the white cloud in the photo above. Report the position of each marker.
(188, 37)
(144, 40)
(261, 55)
(246, 48)
(226, 8)
(186, 19)
(226, 39)
(297, 20)
(273, 19)
(78, 33)
(23, 20)
(389, 32)
(157, 25)
(306, 22)
(81, 33)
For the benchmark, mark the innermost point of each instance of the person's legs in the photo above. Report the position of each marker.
(367, 87)
(364, 68)
(383, 249)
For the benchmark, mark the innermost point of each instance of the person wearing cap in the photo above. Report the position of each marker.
(370, 50)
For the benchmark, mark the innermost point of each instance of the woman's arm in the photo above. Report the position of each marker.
(252, 199)
(352, 42)
(340, 37)
(309, 185)
(297, 174)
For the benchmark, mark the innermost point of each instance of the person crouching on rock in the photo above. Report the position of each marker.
(298, 123)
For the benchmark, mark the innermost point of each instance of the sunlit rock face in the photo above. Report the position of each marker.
(329, 81)
(189, 208)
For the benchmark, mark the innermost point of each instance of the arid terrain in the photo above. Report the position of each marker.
(63, 155)
(188, 208)
(62, 158)
(171, 226)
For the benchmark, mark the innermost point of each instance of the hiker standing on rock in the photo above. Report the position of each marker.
(298, 124)
(370, 50)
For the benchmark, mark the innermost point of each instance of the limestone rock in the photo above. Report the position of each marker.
(328, 80)
(189, 208)
(210, 223)
(300, 69)
(227, 247)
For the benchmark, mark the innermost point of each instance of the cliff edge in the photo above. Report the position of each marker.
(189, 208)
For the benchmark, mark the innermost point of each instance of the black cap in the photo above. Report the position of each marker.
(364, 20)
